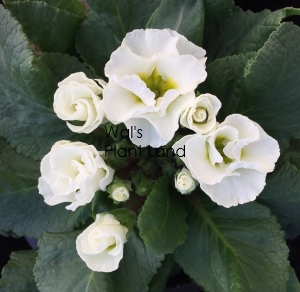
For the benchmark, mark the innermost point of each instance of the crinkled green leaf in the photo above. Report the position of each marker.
(184, 16)
(243, 32)
(58, 256)
(17, 275)
(73, 6)
(23, 211)
(159, 281)
(282, 195)
(225, 79)
(162, 220)
(236, 249)
(126, 217)
(292, 284)
(264, 88)
(27, 86)
(217, 9)
(49, 28)
(102, 203)
(106, 25)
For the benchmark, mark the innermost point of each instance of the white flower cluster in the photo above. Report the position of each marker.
(152, 79)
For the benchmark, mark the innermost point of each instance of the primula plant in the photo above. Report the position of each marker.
(142, 139)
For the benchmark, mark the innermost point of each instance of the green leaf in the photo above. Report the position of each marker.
(106, 25)
(102, 203)
(73, 6)
(236, 249)
(217, 9)
(266, 89)
(162, 220)
(17, 274)
(24, 80)
(292, 284)
(143, 185)
(282, 195)
(23, 211)
(184, 16)
(49, 28)
(243, 32)
(160, 279)
(225, 79)
(125, 217)
(58, 256)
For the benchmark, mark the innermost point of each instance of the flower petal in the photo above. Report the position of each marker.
(121, 104)
(149, 133)
(176, 68)
(151, 42)
(241, 187)
(264, 151)
(198, 156)
(185, 47)
(123, 62)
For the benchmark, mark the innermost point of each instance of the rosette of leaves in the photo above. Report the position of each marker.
(253, 67)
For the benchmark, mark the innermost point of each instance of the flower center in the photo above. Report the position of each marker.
(220, 143)
(157, 84)
(200, 116)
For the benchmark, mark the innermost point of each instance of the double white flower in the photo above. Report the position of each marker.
(152, 78)
(77, 99)
(101, 244)
(231, 163)
(73, 172)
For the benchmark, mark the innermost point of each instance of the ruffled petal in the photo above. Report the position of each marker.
(264, 151)
(175, 68)
(241, 187)
(200, 164)
(121, 104)
(185, 47)
(149, 133)
(123, 62)
(149, 42)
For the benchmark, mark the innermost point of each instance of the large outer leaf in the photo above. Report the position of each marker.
(217, 9)
(23, 211)
(292, 284)
(282, 196)
(236, 249)
(30, 127)
(243, 32)
(266, 89)
(162, 220)
(49, 28)
(184, 16)
(59, 267)
(17, 274)
(106, 25)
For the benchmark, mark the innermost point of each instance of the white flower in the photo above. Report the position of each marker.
(232, 162)
(101, 244)
(200, 114)
(77, 99)
(73, 172)
(152, 78)
(120, 194)
(184, 182)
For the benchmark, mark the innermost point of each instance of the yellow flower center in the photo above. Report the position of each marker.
(157, 84)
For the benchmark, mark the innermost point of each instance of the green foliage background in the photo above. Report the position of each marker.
(253, 67)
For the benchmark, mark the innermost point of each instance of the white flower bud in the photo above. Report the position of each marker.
(77, 99)
(184, 182)
(101, 245)
(119, 190)
(200, 114)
